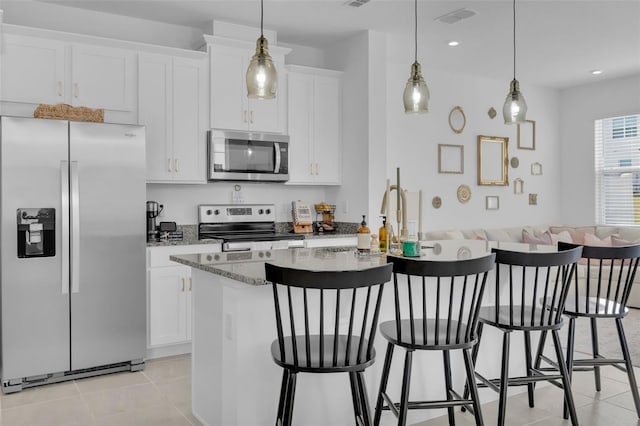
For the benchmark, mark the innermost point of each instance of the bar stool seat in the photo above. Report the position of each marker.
(528, 318)
(436, 340)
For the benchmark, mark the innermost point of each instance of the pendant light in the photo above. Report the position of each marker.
(262, 78)
(515, 107)
(416, 92)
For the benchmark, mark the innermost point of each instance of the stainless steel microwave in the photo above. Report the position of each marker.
(251, 156)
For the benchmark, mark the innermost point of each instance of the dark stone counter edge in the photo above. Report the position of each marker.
(217, 271)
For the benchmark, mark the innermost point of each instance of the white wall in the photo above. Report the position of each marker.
(579, 107)
(412, 145)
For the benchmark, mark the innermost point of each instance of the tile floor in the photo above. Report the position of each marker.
(161, 395)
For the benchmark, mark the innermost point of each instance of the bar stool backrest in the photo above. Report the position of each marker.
(333, 313)
(442, 310)
(608, 278)
(537, 286)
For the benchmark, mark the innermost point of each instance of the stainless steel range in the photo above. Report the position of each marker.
(244, 227)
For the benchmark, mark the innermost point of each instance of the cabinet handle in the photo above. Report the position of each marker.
(190, 284)
(311, 172)
(245, 115)
(59, 88)
(251, 117)
(176, 166)
(169, 163)
(76, 90)
(182, 283)
(316, 169)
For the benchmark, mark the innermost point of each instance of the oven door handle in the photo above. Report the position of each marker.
(276, 146)
(225, 248)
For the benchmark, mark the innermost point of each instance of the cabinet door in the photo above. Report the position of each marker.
(189, 117)
(228, 93)
(168, 311)
(102, 77)
(300, 122)
(32, 70)
(154, 111)
(326, 130)
(264, 114)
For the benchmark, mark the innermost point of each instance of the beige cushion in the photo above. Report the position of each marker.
(592, 240)
(577, 233)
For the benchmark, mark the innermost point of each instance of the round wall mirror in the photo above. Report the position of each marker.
(457, 119)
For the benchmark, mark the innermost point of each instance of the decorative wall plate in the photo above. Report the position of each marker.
(464, 193)
(514, 162)
(436, 202)
(492, 113)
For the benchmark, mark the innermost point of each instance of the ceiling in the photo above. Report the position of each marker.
(558, 41)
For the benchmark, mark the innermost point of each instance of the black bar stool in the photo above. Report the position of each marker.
(531, 276)
(600, 293)
(419, 325)
(313, 337)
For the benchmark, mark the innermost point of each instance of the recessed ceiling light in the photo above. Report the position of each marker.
(453, 43)
(596, 72)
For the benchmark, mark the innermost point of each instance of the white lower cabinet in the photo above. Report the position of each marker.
(347, 241)
(169, 289)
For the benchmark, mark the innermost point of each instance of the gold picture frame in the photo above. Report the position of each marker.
(527, 135)
(457, 119)
(493, 160)
(450, 158)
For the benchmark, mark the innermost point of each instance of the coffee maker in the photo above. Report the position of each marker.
(153, 211)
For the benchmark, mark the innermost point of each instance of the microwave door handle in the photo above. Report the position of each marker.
(276, 146)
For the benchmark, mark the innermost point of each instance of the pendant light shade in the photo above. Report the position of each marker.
(416, 92)
(515, 108)
(262, 78)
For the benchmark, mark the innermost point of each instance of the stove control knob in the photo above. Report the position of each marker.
(216, 257)
(268, 254)
(260, 254)
(209, 212)
(268, 211)
(260, 211)
(216, 212)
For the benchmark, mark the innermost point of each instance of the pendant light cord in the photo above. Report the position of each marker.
(415, 32)
(514, 39)
(262, 17)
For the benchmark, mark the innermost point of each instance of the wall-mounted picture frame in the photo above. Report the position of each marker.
(527, 135)
(493, 160)
(536, 169)
(492, 202)
(518, 186)
(450, 158)
(457, 119)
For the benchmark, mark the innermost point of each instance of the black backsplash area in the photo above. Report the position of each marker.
(341, 228)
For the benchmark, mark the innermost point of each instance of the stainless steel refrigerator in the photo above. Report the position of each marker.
(72, 253)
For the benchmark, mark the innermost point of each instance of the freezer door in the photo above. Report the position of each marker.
(108, 240)
(35, 301)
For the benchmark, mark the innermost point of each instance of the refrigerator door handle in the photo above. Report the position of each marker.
(64, 185)
(75, 229)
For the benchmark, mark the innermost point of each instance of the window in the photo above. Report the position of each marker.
(617, 165)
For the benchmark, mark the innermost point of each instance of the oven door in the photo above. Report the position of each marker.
(247, 156)
(261, 245)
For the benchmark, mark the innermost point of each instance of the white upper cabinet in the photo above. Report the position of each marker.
(43, 70)
(230, 107)
(172, 100)
(33, 70)
(314, 123)
(103, 77)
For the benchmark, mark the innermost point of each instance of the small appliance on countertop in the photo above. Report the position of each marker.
(244, 227)
(153, 211)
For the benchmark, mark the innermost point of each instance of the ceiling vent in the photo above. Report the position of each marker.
(356, 3)
(456, 16)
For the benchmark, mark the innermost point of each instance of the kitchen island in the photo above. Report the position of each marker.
(234, 379)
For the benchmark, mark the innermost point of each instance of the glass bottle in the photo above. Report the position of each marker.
(382, 232)
(364, 237)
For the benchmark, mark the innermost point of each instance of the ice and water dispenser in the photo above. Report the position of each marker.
(36, 232)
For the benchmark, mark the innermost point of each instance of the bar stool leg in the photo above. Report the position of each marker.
(596, 352)
(540, 351)
(355, 395)
(291, 392)
(383, 383)
(406, 379)
(283, 397)
(566, 378)
(448, 384)
(474, 357)
(628, 365)
(571, 335)
(364, 399)
(527, 350)
(504, 379)
(471, 380)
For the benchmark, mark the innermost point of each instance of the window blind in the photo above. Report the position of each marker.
(617, 167)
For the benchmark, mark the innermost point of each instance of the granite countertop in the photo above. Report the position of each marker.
(248, 267)
(190, 235)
